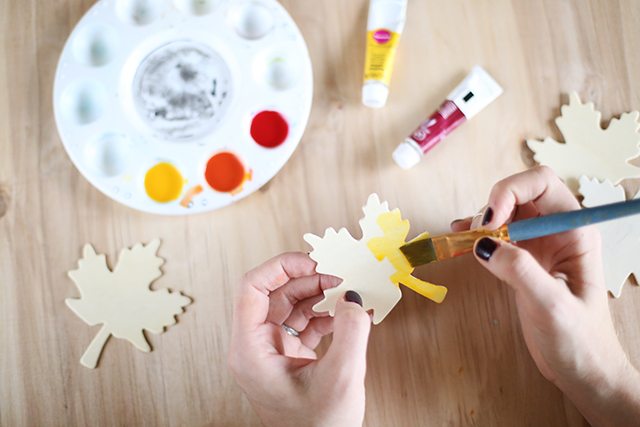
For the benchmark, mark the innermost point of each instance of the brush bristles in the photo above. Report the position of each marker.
(419, 252)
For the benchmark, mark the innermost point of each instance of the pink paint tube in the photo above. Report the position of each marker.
(475, 92)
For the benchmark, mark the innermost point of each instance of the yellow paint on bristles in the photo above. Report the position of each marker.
(163, 182)
(395, 231)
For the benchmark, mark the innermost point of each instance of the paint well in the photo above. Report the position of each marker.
(269, 129)
(163, 182)
(95, 45)
(280, 74)
(251, 20)
(182, 90)
(225, 172)
(195, 7)
(83, 102)
(139, 12)
(108, 155)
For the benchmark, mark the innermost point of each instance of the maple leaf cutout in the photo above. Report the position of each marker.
(589, 149)
(371, 266)
(620, 238)
(121, 300)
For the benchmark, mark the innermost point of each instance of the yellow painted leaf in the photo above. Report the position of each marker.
(371, 266)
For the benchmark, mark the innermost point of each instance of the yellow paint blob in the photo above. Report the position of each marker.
(395, 231)
(163, 182)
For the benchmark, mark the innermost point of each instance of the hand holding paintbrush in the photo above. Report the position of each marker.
(424, 250)
(559, 291)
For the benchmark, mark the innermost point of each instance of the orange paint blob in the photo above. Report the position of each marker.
(225, 172)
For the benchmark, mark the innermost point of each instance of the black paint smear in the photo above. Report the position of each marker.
(187, 73)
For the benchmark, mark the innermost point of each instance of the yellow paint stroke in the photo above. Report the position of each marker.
(395, 231)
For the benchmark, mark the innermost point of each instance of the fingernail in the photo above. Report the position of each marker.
(485, 248)
(353, 296)
(455, 220)
(488, 214)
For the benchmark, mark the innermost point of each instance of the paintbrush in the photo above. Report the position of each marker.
(424, 249)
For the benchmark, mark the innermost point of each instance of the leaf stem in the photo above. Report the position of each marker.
(90, 357)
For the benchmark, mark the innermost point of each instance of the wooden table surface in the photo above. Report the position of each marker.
(463, 362)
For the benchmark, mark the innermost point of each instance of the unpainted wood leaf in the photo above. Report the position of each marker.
(371, 266)
(620, 238)
(121, 300)
(588, 148)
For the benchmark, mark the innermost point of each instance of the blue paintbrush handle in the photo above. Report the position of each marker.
(557, 223)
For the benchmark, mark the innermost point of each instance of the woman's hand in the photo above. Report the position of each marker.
(280, 373)
(561, 298)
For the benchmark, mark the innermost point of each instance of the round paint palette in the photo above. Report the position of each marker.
(182, 106)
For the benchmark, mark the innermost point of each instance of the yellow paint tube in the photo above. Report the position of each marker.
(384, 26)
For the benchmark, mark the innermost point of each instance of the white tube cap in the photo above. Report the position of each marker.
(375, 94)
(406, 155)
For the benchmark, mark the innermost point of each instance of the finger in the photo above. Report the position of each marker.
(283, 300)
(528, 210)
(347, 355)
(461, 224)
(293, 347)
(520, 270)
(252, 302)
(279, 270)
(539, 185)
(316, 329)
(303, 312)
(478, 218)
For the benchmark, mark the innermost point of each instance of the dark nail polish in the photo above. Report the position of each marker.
(488, 214)
(353, 296)
(485, 248)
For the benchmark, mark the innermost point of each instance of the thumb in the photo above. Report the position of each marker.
(519, 269)
(347, 354)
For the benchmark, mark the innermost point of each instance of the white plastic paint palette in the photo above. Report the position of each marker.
(183, 106)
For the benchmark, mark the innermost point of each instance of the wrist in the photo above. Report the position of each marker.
(608, 395)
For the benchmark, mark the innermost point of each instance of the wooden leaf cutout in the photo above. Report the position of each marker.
(372, 266)
(121, 300)
(620, 238)
(589, 149)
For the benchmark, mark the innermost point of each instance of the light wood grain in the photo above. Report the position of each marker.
(460, 363)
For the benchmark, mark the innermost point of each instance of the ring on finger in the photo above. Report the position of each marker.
(289, 330)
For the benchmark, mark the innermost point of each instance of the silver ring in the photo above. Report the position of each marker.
(290, 330)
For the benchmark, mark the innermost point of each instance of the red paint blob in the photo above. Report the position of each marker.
(269, 129)
(225, 172)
